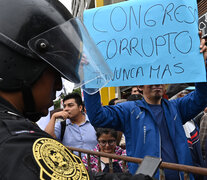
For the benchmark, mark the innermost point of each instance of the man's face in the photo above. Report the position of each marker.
(44, 90)
(153, 93)
(72, 108)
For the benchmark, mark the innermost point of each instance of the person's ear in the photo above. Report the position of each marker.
(81, 108)
(140, 88)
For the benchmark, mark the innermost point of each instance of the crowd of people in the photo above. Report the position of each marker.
(72, 127)
(153, 125)
(108, 140)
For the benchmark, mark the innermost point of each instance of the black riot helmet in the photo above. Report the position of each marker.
(35, 34)
(22, 20)
(22, 23)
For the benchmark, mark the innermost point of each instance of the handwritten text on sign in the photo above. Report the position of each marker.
(148, 42)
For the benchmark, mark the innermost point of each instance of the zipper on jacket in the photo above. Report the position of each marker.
(160, 150)
(145, 130)
(180, 176)
(139, 114)
(175, 117)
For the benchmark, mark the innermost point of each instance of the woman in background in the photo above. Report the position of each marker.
(106, 143)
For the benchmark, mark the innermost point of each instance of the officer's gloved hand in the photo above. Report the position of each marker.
(142, 177)
(109, 176)
(118, 176)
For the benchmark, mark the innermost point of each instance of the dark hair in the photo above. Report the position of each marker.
(112, 101)
(134, 97)
(100, 131)
(137, 89)
(75, 96)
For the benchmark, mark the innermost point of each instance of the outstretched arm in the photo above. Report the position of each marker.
(105, 116)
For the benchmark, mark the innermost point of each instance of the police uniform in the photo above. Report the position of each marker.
(27, 152)
(28, 47)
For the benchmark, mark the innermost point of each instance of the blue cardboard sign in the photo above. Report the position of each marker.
(148, 42)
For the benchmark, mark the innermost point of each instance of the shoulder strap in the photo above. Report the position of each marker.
(63, 126)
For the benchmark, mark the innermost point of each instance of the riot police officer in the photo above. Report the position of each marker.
(40, 42)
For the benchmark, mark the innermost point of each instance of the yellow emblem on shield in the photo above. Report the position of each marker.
(57, 162)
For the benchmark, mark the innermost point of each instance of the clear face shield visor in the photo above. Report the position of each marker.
(69, 49)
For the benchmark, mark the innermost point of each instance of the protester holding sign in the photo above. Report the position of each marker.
(153, 125)
(155, 42)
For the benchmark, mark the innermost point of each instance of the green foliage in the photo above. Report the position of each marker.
(57, 104)
(77, 91)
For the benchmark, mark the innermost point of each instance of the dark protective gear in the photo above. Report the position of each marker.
(20, 67)
(38, 34)
(19, 151)
(118, 176)
(21, 21)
